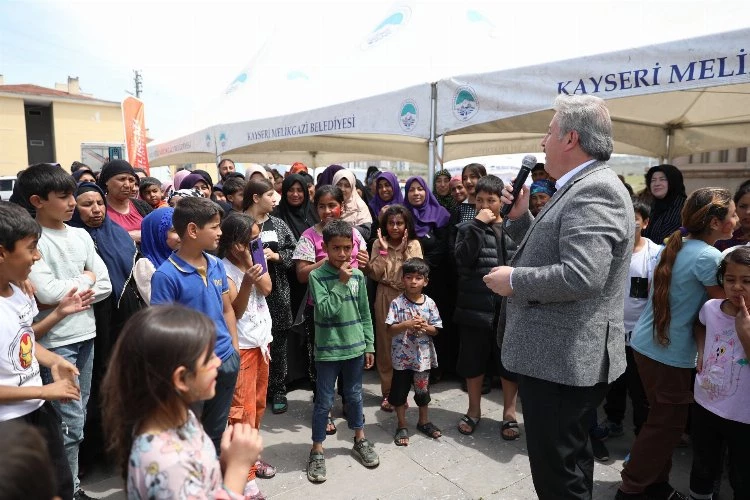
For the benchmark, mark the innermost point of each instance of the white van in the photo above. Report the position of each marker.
(6, 186)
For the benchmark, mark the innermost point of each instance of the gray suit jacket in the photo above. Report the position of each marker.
(565, 317)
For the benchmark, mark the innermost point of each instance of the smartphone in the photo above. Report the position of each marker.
(256, 250)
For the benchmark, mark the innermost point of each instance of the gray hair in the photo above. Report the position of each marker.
(589, 116)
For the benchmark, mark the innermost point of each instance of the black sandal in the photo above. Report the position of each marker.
(401, 434)
(510, 425)
(279, 404)
(470, 422)
(430, 430)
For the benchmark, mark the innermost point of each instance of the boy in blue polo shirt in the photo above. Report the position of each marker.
(195, 279)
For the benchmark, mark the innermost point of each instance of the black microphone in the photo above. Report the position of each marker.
(529, 161)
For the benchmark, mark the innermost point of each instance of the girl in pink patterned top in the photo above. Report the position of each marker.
(162, 363)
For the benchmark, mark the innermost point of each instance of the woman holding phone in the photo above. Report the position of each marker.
(278, 245)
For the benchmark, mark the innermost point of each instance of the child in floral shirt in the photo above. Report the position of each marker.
(412, 320)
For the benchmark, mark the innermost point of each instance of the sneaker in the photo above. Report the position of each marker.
(364, 450)
(316, 467)
(81, 495)
(601, 453)
(615, 429)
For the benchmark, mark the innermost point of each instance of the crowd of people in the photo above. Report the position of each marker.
(263, 280)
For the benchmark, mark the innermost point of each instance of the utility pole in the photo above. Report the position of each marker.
(138, 83)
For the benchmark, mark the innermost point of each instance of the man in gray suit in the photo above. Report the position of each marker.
(564, 333)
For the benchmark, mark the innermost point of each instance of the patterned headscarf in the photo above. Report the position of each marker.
(446, 200)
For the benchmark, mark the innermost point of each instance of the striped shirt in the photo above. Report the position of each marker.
(343, 327)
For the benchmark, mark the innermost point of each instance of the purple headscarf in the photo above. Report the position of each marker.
(377, 203)
(431, 214)
(326, 177)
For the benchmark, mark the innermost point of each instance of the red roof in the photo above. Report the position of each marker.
(36, 90)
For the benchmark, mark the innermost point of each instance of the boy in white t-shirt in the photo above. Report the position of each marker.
(642, 264)
(22, 395)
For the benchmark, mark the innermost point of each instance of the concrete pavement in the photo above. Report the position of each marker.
(480, 466)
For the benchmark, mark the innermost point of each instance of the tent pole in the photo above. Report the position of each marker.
(670, 137)
(431, 153)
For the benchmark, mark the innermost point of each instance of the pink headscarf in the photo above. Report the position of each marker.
(178, 177)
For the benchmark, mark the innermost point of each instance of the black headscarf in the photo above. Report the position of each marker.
(113, 243)
(112, 168)
(666, 213)
(298, 218)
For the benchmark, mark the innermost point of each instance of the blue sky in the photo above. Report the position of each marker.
(189, 52)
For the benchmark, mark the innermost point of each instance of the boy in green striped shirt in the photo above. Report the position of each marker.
(343, 344)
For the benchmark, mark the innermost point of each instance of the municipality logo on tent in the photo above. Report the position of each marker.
(223, 140)
(208, 141)
(465, 104)
(408, 116)
(241, 78)
(390, 25)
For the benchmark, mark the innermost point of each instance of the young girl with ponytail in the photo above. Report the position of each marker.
(663, 343)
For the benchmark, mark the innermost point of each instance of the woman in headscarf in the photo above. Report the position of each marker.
(118, 251)
(665, 184)
(177, 179)
(297, 211)
(431, 226)
(84, 175)
(356, 211)
(326, 177)
(540, 192)
(442, 190)
(257, 173)
(158, 241)
(387, 192)
(118, 180)
(297, 167)
(295, 207)
(458, 191)
(197, 182)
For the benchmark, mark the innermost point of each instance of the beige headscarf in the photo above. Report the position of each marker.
(356, 210)
(253, 169)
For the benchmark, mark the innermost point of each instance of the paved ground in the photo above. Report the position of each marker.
(480, 466)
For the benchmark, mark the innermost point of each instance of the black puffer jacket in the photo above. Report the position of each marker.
(479, 248)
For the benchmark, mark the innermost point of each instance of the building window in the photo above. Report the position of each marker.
(741, 155)
(724, 156)
(705, 157)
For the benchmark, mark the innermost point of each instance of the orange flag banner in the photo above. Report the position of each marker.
(135, 132)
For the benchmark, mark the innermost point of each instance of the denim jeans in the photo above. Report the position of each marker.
(73, 414)
(214, 413)
(351, 377)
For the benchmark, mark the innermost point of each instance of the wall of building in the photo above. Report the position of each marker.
(74, 123)
(13, 152)
(727, 169)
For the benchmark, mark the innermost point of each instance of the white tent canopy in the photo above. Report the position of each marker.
(197, 147)
(665, 100)
(374, 68)
(261, 116)
(394, 126)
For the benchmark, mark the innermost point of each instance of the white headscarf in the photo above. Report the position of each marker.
(356, 210)
(257, 169)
